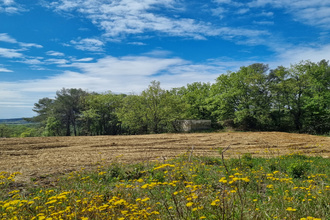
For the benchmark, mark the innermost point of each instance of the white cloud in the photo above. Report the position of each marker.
(315, 13)
(87, 59)
(4, 37)
(266, 14)
(242, 11)
(88, 44)
(10, 7)
(57, 61)
(54, 53)
(158, 53)
(18, 53)
(30, 45)
(296, 54)
(121, 18)
(7, 2)
(32, 61)
(219, 11)
(127, 66)
(137, 43)
(10, 53)
(5, 70)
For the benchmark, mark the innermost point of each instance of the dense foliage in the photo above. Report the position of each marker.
(253, 98)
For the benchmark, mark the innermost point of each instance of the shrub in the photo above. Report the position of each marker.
(299, 169)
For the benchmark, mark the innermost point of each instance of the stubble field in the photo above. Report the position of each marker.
(39, 157)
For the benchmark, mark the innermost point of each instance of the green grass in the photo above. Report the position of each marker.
(286, 187)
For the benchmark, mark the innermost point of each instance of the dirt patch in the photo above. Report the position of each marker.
(35, 157)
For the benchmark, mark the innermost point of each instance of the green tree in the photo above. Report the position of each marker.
(195, 96)
(54, 127)
(222, 102)
(297, 83)
(5, 131)
(133, 116)
(44, 107)
(317, 101)
(68, 105)
(281, 93)
(162, 108)
(100, 116)
(243, 96)
(60, 115)
(154, 111)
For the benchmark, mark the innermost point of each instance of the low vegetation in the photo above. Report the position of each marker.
(292, 186)
(20, 130)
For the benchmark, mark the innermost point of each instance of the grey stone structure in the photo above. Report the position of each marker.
(193, 125)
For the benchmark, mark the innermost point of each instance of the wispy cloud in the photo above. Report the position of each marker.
(242, 11)
(32, 61)
(315, 13)
(10, 7)
(18, 52)
(2, 69)
(4, 37)
(30, 45)
(88, 44)
(87, 59)
(10, 53)
(54, 53)
(57, 61)
(122, 18)
(137, 43)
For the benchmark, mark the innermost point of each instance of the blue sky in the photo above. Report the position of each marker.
(122, 45)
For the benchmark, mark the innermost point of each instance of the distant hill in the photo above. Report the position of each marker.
(14, 121)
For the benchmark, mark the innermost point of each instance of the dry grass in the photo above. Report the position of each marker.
(35, 157)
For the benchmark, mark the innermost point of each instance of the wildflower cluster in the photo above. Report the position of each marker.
(6, 178)
(183, 188)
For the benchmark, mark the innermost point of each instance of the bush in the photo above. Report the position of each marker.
(299, 169)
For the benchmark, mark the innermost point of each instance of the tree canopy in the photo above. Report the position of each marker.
(255, 97)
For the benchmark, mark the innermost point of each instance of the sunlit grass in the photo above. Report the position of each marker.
(287, 187)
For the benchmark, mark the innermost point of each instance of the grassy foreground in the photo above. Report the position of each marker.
(286, 187)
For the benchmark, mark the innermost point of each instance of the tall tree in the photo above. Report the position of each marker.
(281, 93)
(317, 105)
(100, 116)
(60, 114)
(44, 107)
(297, 83)
(243, 96)
(68, 106)
(154, 111)
(195, 95)
(133, 116)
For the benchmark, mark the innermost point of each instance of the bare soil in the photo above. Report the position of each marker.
(44, 156)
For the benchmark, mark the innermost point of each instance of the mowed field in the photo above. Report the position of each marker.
(42, 156)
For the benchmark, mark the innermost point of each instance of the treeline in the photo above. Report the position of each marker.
(254, 98)
(20, 130)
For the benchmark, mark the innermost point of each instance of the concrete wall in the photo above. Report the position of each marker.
(193, 125)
